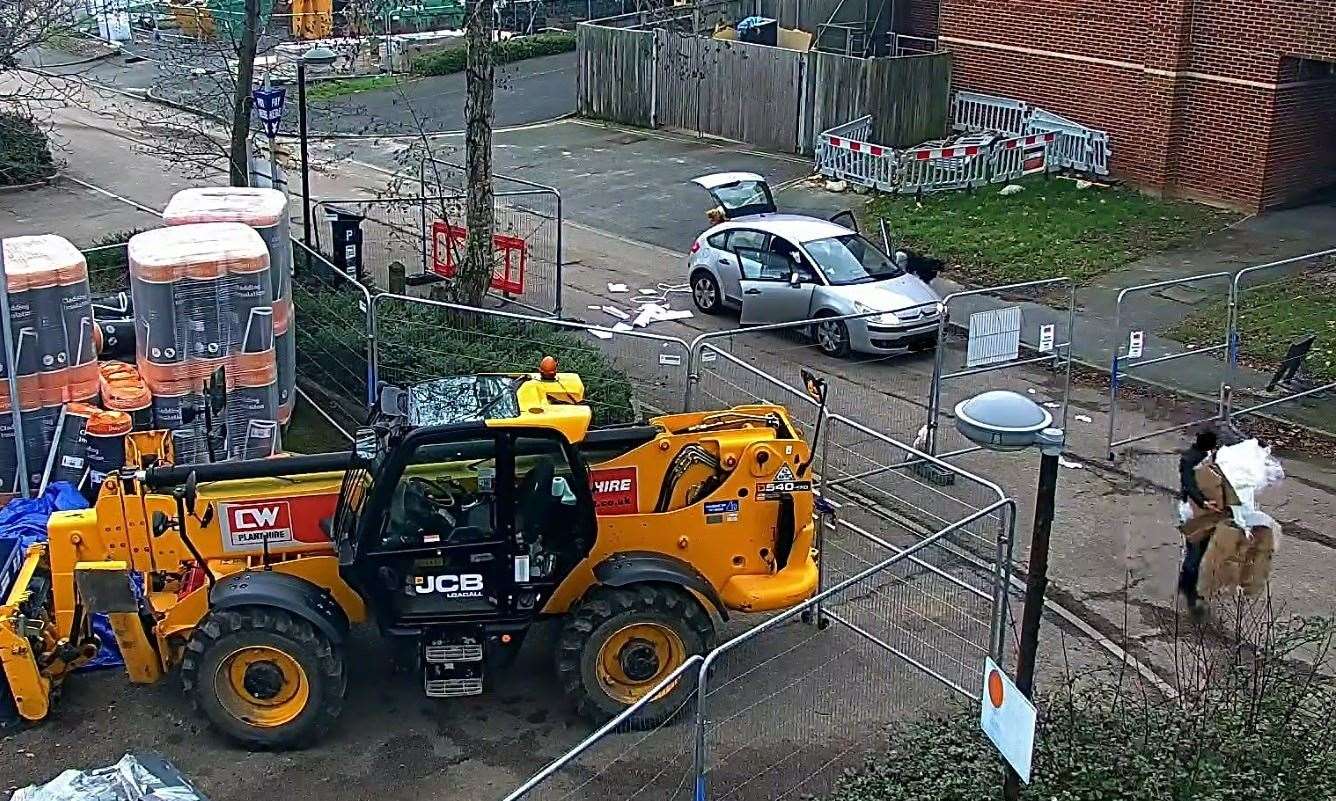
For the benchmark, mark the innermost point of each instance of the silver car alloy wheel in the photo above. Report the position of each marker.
(703, 293)
(828, 336)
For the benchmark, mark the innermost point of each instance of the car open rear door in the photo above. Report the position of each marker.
(739, 194)
(774, 288)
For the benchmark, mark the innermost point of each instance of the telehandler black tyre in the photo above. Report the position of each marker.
(264, 678)
(620, 643)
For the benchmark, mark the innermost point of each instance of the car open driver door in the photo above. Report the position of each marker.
(776, 287)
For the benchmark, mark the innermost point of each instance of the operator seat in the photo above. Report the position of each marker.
(534, 500)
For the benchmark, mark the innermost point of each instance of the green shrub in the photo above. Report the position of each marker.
(25, 155)
(1253, 725)
(419, 342)
(503, 52)
(108, 262)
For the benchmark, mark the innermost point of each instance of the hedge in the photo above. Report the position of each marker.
(419, 342)
(25, 156)
(506, 51)
(1255, 725)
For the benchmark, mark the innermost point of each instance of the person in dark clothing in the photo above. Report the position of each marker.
(1205, 444)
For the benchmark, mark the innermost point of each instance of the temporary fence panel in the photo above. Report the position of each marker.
(526, 213)
(786, 709)
(627, 376)
(616, 74)
(392, 238)
(1142, 355)
(978, 113)
(612, 763)
(1301, 364)
(888, 389)
(990, 338)
(697, 88)
(1076, 147)
(843, 153)
(335, 350)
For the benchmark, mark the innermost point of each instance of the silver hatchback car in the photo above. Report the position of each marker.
(778, 268)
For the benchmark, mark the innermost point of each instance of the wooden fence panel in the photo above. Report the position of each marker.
(909, 98)
(836, 92)
(734, 90)
(616, 75)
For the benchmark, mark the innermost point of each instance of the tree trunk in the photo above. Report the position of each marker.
(239, 152)
(473, 279)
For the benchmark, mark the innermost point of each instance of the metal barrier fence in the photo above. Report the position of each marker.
(1141, 354)
(528, 211)
(983, 335)
(418, 339)
(1253, 291)
(784, 709)
(887, 387)
(1076, 147)
(843, 153)
(335, 339)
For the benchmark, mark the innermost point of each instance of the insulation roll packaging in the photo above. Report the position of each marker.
(265, 210)
(202, 298)
(69, 449)
(104, 450)
(54, 359)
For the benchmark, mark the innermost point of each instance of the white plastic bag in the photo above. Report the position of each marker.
(147, 777)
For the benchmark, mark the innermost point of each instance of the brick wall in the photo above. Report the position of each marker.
(1201, 97)
(920, 17)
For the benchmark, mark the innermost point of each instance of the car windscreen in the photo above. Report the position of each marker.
(744, 197)
(851, 259)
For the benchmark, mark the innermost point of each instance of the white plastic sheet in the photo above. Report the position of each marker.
(1251, 468)
(145, 777)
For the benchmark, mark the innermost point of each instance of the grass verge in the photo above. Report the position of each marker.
(506, 51)
(1051, 229)
(1273, 316)
(342, 87)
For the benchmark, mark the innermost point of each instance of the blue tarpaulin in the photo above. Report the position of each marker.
(23, 522)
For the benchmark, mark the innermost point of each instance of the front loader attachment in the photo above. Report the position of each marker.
(35, 657)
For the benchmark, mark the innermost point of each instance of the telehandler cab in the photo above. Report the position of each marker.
(470, 508)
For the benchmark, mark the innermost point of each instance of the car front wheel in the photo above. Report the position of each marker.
(705, 293)
(832, 337)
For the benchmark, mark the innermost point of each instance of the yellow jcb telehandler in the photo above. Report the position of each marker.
(471, 508)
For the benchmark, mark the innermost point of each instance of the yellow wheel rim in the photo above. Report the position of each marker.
(636, 658)
(262, 686)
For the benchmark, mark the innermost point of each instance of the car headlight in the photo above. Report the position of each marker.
(885, 318)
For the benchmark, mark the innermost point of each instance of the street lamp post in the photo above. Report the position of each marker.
(318, 56)
(1008, 421)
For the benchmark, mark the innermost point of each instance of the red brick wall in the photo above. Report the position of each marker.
(920, 18)
(1186, 88)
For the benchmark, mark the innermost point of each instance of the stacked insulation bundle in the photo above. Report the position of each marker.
(55, 361)
(202, 301)
(265, 210)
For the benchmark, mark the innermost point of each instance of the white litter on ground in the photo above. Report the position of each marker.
(1070, 464)
(1084, 418)
(617, 288)
(622, 327)
(600, 334)
(616, 312)
(836, 186)
(1052, 404)
(1011, 189)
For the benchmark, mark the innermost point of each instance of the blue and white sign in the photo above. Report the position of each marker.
(1008, 718)
(269, 107)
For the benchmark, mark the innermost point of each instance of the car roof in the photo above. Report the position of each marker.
(717, 179)
(797, 227)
